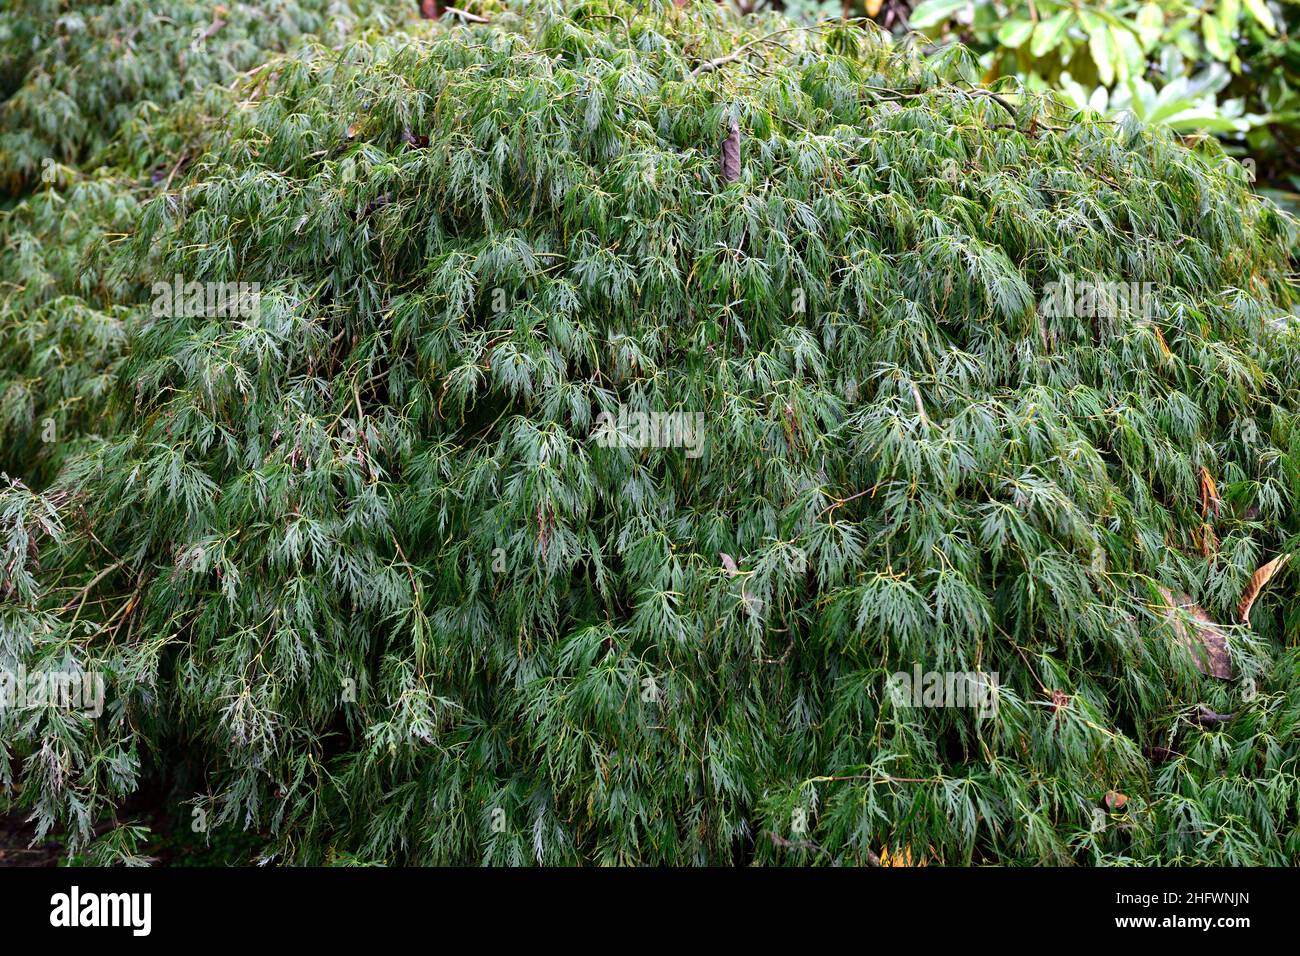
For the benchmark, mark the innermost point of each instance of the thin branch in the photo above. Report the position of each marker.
(466, 15)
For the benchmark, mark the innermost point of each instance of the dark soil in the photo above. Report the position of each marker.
(16, 848)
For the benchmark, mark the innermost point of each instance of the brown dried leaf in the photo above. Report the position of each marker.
(1160, 337)
(1257, 582)
(1208, 645)
(1208, 718)
(731, 154)
(412, 140)
(1210, 500)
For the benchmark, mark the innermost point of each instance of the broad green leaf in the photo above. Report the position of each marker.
(1206, 121)
(935, 11)
(1216, 41)
(1228, 14)
(1015, 32)
(1101, 45)
(1150, 24)
(1049, 33)
(1129, 59)
(1260, 11)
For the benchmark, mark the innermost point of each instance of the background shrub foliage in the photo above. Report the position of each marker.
(1225, 67)
(75, 72)
(363, 584)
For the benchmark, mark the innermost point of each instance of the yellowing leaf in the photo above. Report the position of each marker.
(1229, 13)
(900, 857)
(1260, 11)
(1216, 41)
(1164, 346)
(1150, 24)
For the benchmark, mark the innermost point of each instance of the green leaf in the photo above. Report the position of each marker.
(1260, 11)
(1102, 47)
(1128, 53)
(932, 12)
(1015, 32)
(1150, 24)
(1049, 33)
(1228, 15)
(1216, 40)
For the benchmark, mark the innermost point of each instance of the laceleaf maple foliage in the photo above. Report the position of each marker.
(88, 127)
(364, 584)
(71, 72)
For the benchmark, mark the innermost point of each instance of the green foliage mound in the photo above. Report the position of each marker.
(72, 73)
(109, 103)
(363, 578)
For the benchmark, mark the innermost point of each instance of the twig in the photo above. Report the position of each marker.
(840, 502)
(466, 15)
(710, 65)
(168, 185)
(81, 594)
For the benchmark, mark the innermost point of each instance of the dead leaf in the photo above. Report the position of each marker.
(1160, 337)
(900, 857)
(417, 142)
(1209, 494)
(1257, 582)
(731, 154)
(1208, 718)
(1209, 645)
(1205, 540)
(729, 563)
